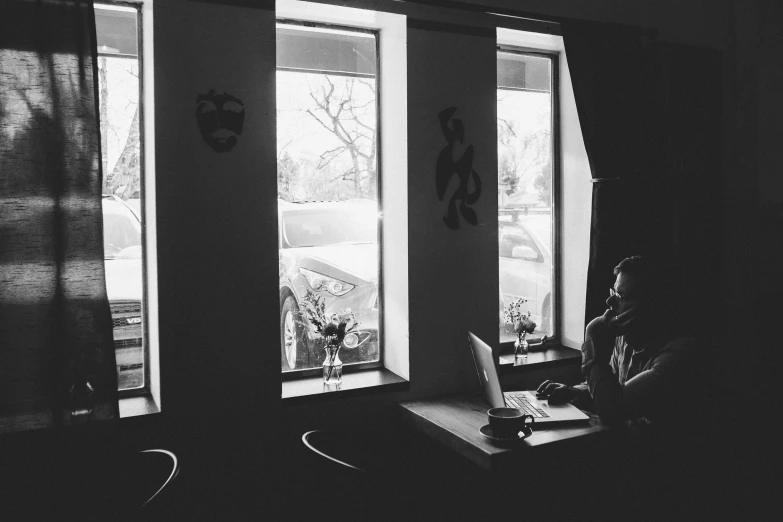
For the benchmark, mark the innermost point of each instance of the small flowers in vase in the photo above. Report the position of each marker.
(334, 329)
(522, 325)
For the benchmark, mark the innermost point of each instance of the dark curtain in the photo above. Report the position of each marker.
(650, 118)
(57, 363)
(650, 114)
(693, 184)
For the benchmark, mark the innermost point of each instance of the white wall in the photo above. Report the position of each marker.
(453, 274)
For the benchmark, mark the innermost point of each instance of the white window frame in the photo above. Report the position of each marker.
(556, 288)
(131, 406)
(574, 192)
(393, 190)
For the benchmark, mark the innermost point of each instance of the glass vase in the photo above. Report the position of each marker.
(520, 348)
(333, 366)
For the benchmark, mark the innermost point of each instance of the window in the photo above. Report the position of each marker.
(122, 144)
(526, 180)
(328, 188)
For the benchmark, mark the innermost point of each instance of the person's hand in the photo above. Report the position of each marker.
(554, 392)
(610, 325)
(601, 333)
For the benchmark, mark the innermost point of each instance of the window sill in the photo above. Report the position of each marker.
(354, 384)
(552, 357)
(136, 406)
(39, 419)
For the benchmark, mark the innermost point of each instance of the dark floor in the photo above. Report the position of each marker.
(426, 482)
(410, 477)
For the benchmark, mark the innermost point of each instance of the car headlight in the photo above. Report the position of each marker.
(320, 282)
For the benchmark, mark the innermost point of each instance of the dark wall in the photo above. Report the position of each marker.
(217, 254)
(694, 22)
(217, 237)
(214, 318)
(754, 228)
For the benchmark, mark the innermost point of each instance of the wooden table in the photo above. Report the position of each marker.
(568, 470)
(455, 421)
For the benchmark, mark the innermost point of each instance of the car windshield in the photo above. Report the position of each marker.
(121, 230)
(329, 227)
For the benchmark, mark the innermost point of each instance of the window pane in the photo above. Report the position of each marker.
(119, 88)
(327, 188)
(525, 188)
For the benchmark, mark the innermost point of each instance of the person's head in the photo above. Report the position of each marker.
(647, 286)
(634, 286)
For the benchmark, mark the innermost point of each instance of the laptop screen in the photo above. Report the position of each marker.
(487, 372)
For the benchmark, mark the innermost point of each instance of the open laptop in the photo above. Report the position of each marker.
(543, 412)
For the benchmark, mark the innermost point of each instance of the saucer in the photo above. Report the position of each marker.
(524, 433)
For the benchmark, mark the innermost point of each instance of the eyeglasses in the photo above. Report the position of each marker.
(614, 293)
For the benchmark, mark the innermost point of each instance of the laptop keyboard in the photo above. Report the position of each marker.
(521, 402)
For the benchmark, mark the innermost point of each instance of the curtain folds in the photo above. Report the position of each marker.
(621, 100)
(650, 114)
(57, 363)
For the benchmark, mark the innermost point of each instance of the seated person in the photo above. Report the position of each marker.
(642, 371)
(636, 361)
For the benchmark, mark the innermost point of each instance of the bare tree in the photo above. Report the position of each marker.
(543, 183)
(124, 179)
(521, 154)
(104, 115)
(509, 162)
(287, 174)
(339, 113)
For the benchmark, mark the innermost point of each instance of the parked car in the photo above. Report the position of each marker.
(124, 284)
(525, 271)
(330, 248)
(135, 205)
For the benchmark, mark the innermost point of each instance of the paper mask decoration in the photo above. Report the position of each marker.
(220, 118)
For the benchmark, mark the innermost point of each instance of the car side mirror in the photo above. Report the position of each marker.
(524, 252)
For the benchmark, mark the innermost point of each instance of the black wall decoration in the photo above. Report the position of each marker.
(220, 118)
(463, 167)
